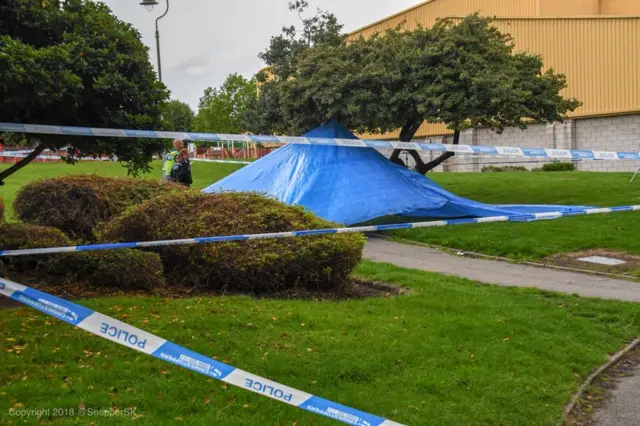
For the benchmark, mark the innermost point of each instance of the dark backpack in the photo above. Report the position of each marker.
(181, 173)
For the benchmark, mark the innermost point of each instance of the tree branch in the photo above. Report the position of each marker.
(26, 160)
(425, 168)
(406, 134)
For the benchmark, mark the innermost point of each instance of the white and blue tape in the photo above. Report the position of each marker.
(566, 154)
(142, 341)
(330, 231)
(206, 160)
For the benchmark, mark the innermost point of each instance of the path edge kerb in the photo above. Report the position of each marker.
(583, 387)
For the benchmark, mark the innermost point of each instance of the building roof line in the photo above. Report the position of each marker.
(402, 12)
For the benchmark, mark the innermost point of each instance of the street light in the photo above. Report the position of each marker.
(149, 4)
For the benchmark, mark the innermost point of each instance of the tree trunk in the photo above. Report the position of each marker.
(444, 157)
(406, 134)
(20, 164)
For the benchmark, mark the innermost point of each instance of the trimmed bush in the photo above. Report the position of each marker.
(125, 269)
(76, 204)
(558, 167)
(489, 169)
(17, 236)
(315, 262)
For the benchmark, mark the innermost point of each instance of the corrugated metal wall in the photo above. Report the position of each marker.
(620, 7)
(600, 57)
(568, 7)
(427, 13)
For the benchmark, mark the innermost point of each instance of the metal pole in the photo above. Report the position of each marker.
(164, 157)
(158, 41)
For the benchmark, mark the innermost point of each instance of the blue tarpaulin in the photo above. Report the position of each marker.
(355, 185)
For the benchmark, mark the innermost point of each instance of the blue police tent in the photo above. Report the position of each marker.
(355, 185)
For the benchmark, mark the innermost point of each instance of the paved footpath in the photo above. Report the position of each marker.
(500, 273)
(623, 409)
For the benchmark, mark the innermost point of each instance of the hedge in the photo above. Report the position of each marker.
(17, 236)
(76, 204)
(318, 262)
(123, 269)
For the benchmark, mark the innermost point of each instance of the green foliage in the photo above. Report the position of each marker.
(264, 115)
(177, 116)
(285, 50)
(18, 236)
(319, 262)
(463, 74)
(74, 63)
(76, 204)
(558, 167)
(125, 269)
(489, 169)
(222, 110)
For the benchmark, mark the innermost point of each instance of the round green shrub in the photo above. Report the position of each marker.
(76, 204)
(314, 262)
(18, 236)
(125, 269)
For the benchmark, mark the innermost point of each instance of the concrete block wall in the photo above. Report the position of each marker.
(620, 133)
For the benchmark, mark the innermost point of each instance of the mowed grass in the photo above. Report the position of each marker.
(451, 353)
(618, 231)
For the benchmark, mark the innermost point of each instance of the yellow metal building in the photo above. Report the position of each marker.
(595, 43)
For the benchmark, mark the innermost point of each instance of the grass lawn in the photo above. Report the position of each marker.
(452, 352)
(540, 239)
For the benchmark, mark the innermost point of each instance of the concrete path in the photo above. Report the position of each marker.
(623, 409)
(500, 273)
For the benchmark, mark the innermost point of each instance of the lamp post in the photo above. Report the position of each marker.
(149, 4)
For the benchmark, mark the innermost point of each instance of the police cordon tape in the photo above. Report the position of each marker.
(310, 232)
(20, 154)
(142, 341)
(566, 154)
(23, 154)
(206, 160)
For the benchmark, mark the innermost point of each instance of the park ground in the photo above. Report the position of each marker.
(449, 352)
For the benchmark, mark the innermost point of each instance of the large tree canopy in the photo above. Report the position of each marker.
(221, 110)
(74, 63)
(463, 74)
(177, 116)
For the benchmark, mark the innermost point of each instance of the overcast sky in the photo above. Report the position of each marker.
(202, 41)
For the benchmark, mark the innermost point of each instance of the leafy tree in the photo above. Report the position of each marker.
(178, 116)
(264, 115)
(284, 50)
(463, 74)
(222, 110)
(74, 63)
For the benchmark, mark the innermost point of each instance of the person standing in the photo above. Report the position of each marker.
(177, 167)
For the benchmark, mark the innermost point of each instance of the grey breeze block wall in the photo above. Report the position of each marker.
(619, 133)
